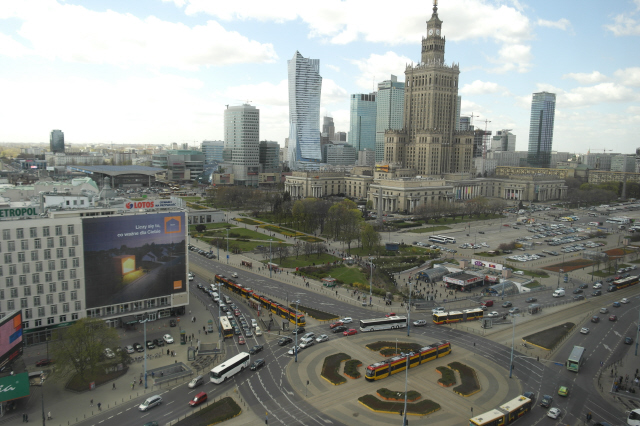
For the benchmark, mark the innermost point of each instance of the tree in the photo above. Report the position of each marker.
(343, 222)
(370, 237)
(201, 227)
(79, 348)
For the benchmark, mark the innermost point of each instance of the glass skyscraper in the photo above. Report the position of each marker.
(305, 85)
(362, 123)
(56, 141)
(543, 109)
(212, 151)
(389, 113)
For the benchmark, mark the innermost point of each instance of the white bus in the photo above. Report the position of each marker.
(230, 367)
(383, 323)
(438, 239)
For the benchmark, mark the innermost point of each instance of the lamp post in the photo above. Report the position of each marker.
(406, 381)
(560, 271)
(370, 278)
(295, 348)
(409, 314)
(219, 325)
(144, 322)
(270, 256)
(513, 338)
(227, 246)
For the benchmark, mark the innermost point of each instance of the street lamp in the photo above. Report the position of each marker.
(270, 256)
(560, 271)
(219, 325)
(145, 350)
(295, 348)
(406, 381)
(409, 315)
(370, 278)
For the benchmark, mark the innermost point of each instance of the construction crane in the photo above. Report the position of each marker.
(484, 142)
(472, 117)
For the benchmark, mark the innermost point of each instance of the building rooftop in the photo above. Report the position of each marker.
(117, 170)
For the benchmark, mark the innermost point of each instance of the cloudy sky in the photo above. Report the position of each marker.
(161, 71)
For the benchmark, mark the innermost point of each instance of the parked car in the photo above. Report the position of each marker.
(129, 349)
(257, 364)
(198, 399)
(138, 347)
(167, 339)
(284, 341)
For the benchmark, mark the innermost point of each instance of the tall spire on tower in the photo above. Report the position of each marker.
(435, 7)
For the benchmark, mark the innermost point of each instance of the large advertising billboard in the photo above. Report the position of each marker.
(11, 340)
(129, 258)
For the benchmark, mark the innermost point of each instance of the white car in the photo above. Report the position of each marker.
(437, 310)
(347, 320)
(420, 323)
(307, 343)
(129, 349)
(109, 353)
(624, 300)
(322, 338)
(492, 314)
(584, 330)
(597, 285)
(518, 272)
(234, 275)
(291, 351)
(554, 413)
(191, 276)
(258, 332)
(167, 339)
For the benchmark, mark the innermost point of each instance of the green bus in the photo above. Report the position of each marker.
(575, 359)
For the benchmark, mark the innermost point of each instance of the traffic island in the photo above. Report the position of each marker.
(470, 383)
(420, 408)
(388, 349)
(448, 377)
(389, 395)
(331, 367)
(315, 313)
(351, 368)
(216, 412)
(548, 339)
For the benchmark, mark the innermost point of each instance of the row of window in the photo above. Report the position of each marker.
(37, 243)
(35, 277)
(53, 309)
(50, 320)
(26, 290)
(39, 266)
(33, 232)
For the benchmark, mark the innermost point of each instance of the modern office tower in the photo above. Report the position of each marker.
(366, 158)
(428, 142)
(598, 161)
(543, 109)
(458, 105)
(305, 85)
(464, 124)
(623, 163)
(481, 142)
(503, 140)
(181, 164)
(339, 154)
(56, 141)
(269, 152)
(241, 139)
(362, 123)
(212, 151)
(328, 127)
(340, 137)
(390, 109)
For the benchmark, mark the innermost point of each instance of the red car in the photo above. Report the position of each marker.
(237, 312)
(241, 340)
(350, 332)
(613, 318)
(390, 314)
(335, 324)
(198, 399)
(44, 362)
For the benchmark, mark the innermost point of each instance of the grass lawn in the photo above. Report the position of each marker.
(569, 266)
(283, 231)
(549, 338)
(243, 245)
(346, 274)
(191, 199)
(196, 206)
(302, 260)
(310, 239)
(533, 284)
(242, 233)
(533, 274)
(220, 225)
(430, 229)
(219, 411)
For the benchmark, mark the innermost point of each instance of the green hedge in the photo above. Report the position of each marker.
(331, 366)
(426, 406)
(470, 384)
(448, 377)
(247, 221)
(386, 393)
(351, 368)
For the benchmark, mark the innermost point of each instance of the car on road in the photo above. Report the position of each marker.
(577, 291)
(595, 318)
(336, 324)
(597, 285)
(234, 275)
(624, 300)
(390, 314)
(339, 328)
(563, 391)
(44, 362)
(197, 381)
(514, 310)
(347, 320)
(138, 347)
(167, 339)
(258, 331)
(247, 332)
(616, 304)
(613, 318)
(109, 353)
(322, 338)
(172, 323)
(257, 364)
(241, 340)
(150, 402)
(530, 395)
(420, 323)
(307, 343)
(293, 349)
(437, 310)
(255, 349)
(284, 341)
(350, 332)
(628, 340)
(507, 304)
(583, 286)
(579, 297)
(492, 314)
(298, 330)
(584, 330)
(308, 336)
(546, 401)
(236, 331)
(554, 413)
(596, 293)
(198, 399)
(158, 342)
(531, 300)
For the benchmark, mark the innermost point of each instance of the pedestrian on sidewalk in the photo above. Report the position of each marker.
(99, 406)
(114, 386)
(91, 403)
(49, 415)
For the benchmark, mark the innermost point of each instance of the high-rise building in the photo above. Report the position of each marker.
(481, 142)
(305, 84)
(328, 127)
(428, 142)
(458, 107)
(543, 109)
(390, 109)
(339, 154)
(269, 156)
(212, 151)
(340, 137)
(56, 141)
(623, 163)
(241, 139)
(464, 124)
(366, 158)
(503, 140)
(362, 123)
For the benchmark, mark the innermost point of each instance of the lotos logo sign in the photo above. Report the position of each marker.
(140, 205)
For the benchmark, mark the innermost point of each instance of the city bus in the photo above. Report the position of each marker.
(383, 369)
(383, 323)
(229, 368)
(438, 239)
(225, 326)
(457, 316)
(450, 240)
(625, 282)
(575, 359)
(505, 414)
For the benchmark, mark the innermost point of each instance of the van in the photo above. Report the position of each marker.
(196, 382)
(558, 293)
(198, 399)
(487, 303)
(150, 402)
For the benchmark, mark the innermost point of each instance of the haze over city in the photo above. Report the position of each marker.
(155, 72)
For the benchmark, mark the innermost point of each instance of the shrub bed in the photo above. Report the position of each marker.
(331, 366)
(315, 313)
(448, 377)
(470, 383)
(420, 408)
(247, 221)
(351, 368)
(219, 411)
(389, 395)
(384, 347)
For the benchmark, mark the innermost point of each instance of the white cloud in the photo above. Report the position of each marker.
(76, 34)
(12, 48)
(332, 93)
(561, 24)
(482, 88)
(625, 24)
(260, 94)
(377, 68)
(584, 78)
(512, 57)
(629, 76)
(333, 67)
(178, 3)
(593, 95)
